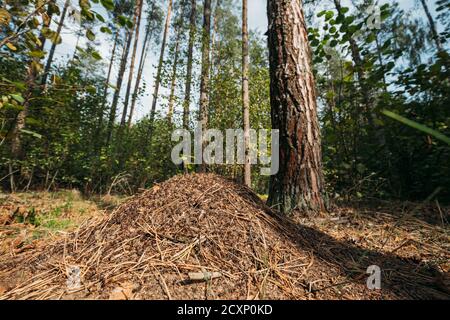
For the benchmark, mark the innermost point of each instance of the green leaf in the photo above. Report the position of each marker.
(329, 15)
(96, 55)
(106, 30)
(18, 98)
(108, 4)
(100, 17)
(344, 10)
(417, 126)
(19, 85)
(122, 20)
(37, 54)
(34, 134)
(91, 89)
(90, 35)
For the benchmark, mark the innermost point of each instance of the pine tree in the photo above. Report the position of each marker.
(299, 181)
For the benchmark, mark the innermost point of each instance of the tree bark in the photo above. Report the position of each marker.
(187, 97)
(214, 49)
(54, 43)
(145, 46)
(123, 64)
(204, 80)
(137, 25)
(245, 94)
(160, 65)
(19, 125)
(433, 28)
(108, 77)
(173, 79)
(299, 184)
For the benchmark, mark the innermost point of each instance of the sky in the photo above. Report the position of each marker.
(257, 22)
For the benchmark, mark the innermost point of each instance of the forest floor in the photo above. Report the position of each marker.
(205, 237)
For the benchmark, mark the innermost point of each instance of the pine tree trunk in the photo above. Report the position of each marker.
(433, 28)
(214, 49)
(187, 97)
(53, 47)
(204, 80)
(245, 94)
(299, 181)
(108, 77)
(143, 58)
(123, 64)
(137, 16)
(173, 79)
(159, 71)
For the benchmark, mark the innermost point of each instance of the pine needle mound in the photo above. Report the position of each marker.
(202, 236)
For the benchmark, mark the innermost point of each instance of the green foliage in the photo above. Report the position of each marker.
(360, 72)
(366, 154)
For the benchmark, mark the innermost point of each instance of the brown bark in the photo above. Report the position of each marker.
(137, 25)
(245, 94)
(204, 80)
(187, 97)
(160, 65)
(299, 181)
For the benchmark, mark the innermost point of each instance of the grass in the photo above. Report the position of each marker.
(26, 217)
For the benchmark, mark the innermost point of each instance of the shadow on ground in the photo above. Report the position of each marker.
(403, 278)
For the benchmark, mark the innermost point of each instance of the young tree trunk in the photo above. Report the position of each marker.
(299, 181)
(20, 121)
(214, 48)
(204, 80)
(137, 25)
(245, 94)
(173, 79)
(123, 64)
(54, 43)
(108, 77)
(160, 65)
(433, 28)
(145, 46)
(357, 60)
(19, 125)
(187, 97)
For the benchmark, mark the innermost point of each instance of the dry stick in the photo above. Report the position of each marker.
(440, 212)
(8, 175)
(164, 285)
(203, 276)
